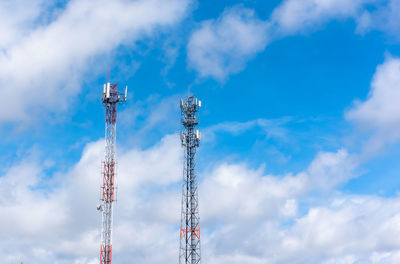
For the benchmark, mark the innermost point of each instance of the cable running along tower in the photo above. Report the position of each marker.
(189, 250)
(110, 99)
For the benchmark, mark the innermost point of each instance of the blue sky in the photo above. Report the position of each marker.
(300, 124)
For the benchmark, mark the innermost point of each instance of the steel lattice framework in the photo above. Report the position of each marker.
(189, 251)
(111, 98)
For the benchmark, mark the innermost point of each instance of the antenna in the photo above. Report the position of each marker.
(126, 92)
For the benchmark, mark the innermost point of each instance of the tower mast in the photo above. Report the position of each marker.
(189, 250)
(111, 98)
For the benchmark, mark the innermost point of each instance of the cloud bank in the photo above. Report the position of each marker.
(243, 211)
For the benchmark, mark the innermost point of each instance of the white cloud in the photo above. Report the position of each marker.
(293, 16)
(249, 195)
(383, 19)
(346, 230)
(381, 109)
(223, 46)
(330, 169)
(354, 226)
(43, 69)
(380, 112)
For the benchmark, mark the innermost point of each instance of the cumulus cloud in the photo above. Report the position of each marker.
(250, 195)
(380, 109)
(345, 230)
(352, 228)
(43, 68)
(223, 46)
(380, 112)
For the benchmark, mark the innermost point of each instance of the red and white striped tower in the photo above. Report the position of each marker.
(111, 98)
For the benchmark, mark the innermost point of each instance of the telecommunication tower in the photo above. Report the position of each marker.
(189, 250)
(110, 99)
